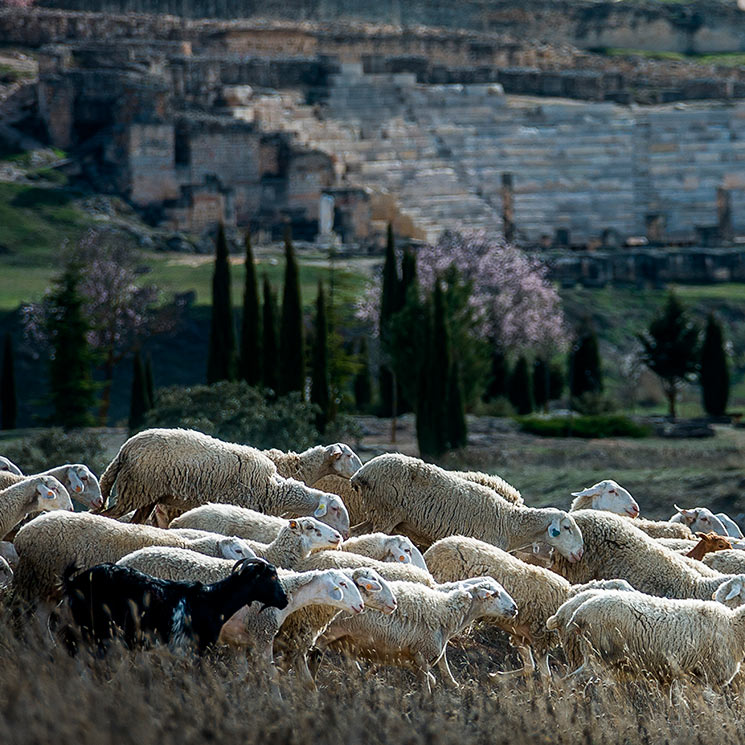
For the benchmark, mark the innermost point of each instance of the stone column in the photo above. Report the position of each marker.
(724, 216)
(508, 208)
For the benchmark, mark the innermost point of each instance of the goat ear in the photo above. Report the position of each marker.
(699, 534)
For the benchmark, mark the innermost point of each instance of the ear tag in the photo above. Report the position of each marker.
(554, 532)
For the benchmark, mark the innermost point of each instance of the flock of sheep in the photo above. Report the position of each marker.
(197, 527)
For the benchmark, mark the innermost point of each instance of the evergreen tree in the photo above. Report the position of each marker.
(250, 352)
(138, 402)
(714, 373)
(520, 388)
(149, 383)
(291, 372)
(555, 381)
(221, 359)
(440, 368)
(8, 396)
(390, 302)
(585, 374)
(670, 348)
(270, 360)
(319, 389)
(499, 376)
(426, 424)
(541, 384)
(362, 381)
(72, 391)
(457, 431)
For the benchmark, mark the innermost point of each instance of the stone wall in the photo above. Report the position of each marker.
(704, 26)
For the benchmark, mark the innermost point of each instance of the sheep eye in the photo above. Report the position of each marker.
(612, 491)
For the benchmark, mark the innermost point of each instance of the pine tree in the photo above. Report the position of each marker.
(714, 373)
(390, 302)
(221, 360)
(138, 402)
(520, 388)
(585, 373)
(362, 381)
(149, 383)
(291, 372)
(541, 384)
(670, 348)
(250, 352)
(270, 360)
(8, 396)
(319, 390)
(72, 391)
(457, 432)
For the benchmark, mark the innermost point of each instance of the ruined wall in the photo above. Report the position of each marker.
(704, 26)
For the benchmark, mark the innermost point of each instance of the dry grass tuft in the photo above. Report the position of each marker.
(156, 698)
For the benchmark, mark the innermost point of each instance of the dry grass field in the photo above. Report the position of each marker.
(155, 698)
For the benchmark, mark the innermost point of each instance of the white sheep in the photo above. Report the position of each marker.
(663, 529)
(296, 541)
(31, 494)
(732, 528)
(314, 463)
(732, 592)
(385, 547)
(669, 638)
(606, 495)
(7, 465)
(77, 478)
(538, 592)
(188, 468)
(426, 619)
(406, 495)
(699, 519)
(616, 549)
(730, 561)
(51, 542)
(334, 484)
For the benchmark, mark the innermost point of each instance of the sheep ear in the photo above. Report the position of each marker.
(320, 510)
(733, 592)
(335, 451)
(482, 593)
(590, 491)
(336, 594)
(554, 529)
(372, 586)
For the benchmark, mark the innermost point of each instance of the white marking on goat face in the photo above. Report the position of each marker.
(179, 624)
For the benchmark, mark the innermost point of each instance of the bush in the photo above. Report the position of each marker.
(591, 404)
(608, 425)
(235, 412)
(55, 447)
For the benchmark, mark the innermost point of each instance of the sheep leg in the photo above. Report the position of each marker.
(544, 668)
(423, 671)
(142, 514)
(302, 671)
(444, 668)
(526, 670)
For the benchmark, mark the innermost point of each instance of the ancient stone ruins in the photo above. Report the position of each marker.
(343, 125)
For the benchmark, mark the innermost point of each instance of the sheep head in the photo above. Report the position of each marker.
(607, 495)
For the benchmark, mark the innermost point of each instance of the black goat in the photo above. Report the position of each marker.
(108, 601)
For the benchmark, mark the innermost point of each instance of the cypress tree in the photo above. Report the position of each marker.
(541, 383)
(457, 432)
(555, 381)
(319, 389)
(362, 381)
(425, 415)
(72, 391)
(670, 348)
(714, 373)
(389, 303)
(250, 352)
(408, 280)
(221, 359)
(520, 389)
(440, 368)
(138, 402)
(269, 335)
(291, 372)
(8, 396)
(585, 373)
(149, 384)
(499, 376)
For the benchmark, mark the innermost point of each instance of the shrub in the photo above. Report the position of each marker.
(236, 412)
(55, 447)
(608, 425)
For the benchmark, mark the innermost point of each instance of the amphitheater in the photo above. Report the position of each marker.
(350, 124)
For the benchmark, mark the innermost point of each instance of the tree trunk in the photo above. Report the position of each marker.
(672, 394)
